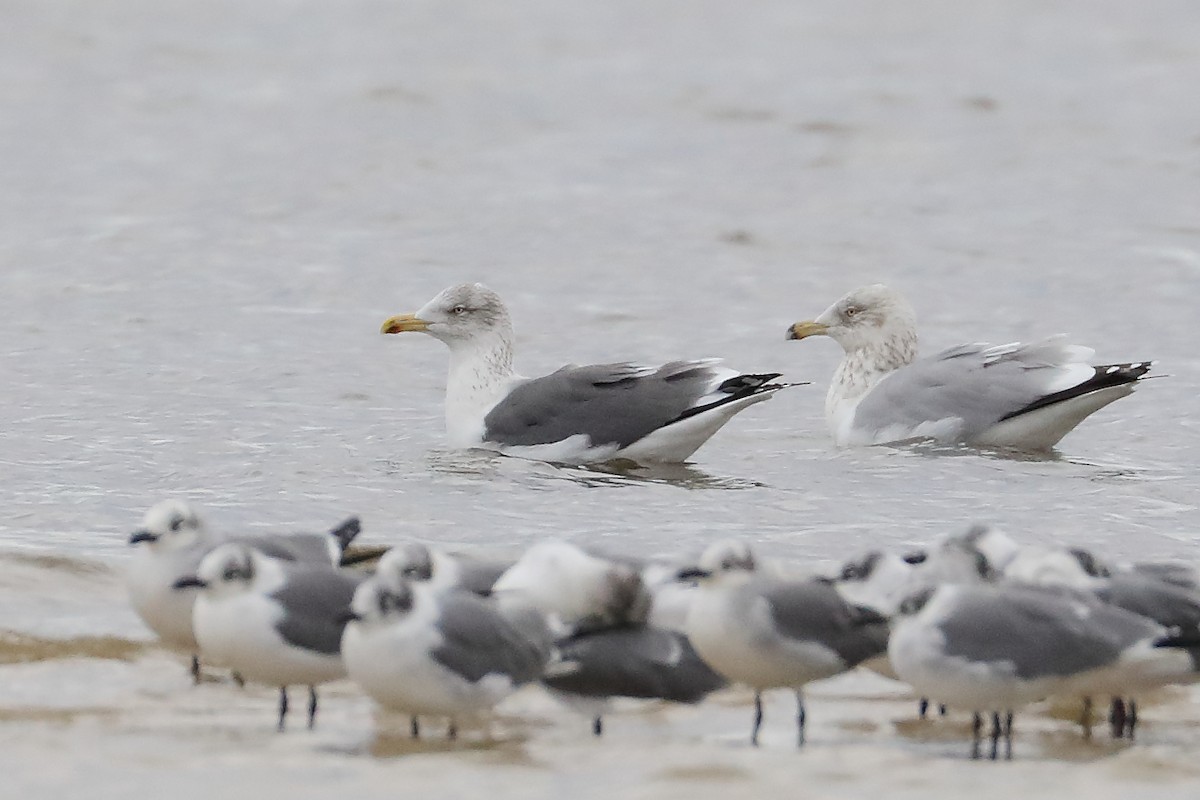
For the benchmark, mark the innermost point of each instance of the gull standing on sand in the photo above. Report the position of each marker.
(577, 414)
(272, 621)
(171, 543)
(422, 652)
(769, 633)
(994, 649)
(1020, 396)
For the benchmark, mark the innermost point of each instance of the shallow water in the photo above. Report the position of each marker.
(209, 209)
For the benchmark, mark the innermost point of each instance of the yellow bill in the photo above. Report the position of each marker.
(403, 323)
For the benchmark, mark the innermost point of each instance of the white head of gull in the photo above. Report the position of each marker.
(1020, 396)
(576, 414)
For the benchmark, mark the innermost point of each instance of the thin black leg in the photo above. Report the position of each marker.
(452, 731)
(941, 709)
(195, 669)
(283, 706)
(976, 734)
(598, 726)
(800, 717)
(1085, 718)
(415, 726)
(312, 707)
(758, 717)
(1116, 717)
(1131, 719)
(995, 734)
(1008, 720)
(922, 707)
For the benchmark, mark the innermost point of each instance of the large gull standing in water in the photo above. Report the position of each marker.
(576, 414)
(1021, 396)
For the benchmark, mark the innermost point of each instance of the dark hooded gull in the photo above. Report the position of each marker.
(1020, 396)
(170, 545)
(273, 622)
(766, 632)
(423, 652)
(578, 414)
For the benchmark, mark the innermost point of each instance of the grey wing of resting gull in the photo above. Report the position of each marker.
(477, 641)
(814, 611)
(614, 404)
(316, 604)
(1014, 626)
(311, 548)
(641, 662)
(977, 386)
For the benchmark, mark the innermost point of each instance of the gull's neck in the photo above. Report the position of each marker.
(868, 362)
(480, 372)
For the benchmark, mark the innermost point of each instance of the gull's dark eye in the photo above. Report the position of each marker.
(176, 522)
(458, 310)
(232, 573)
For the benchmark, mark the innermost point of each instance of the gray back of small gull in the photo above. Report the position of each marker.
(814, 611)
(315, 601)
(474, 644)
(635, 662)
(1167, 604)
(1036, 633)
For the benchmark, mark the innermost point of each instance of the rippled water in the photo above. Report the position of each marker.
(209, 208)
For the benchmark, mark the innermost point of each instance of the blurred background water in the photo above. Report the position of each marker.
(208, 209)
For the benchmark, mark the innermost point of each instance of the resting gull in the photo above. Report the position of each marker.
(274, 622)
(422, 652)
(638, 661)
(170, 545)
(996, 649)
(577, 414)
(1020, 396)
(769, 633)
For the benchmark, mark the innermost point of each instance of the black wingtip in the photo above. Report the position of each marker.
(740, 383)
(346, 532)
(1106, 376)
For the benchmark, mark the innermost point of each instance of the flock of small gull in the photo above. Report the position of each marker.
(974, 622)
